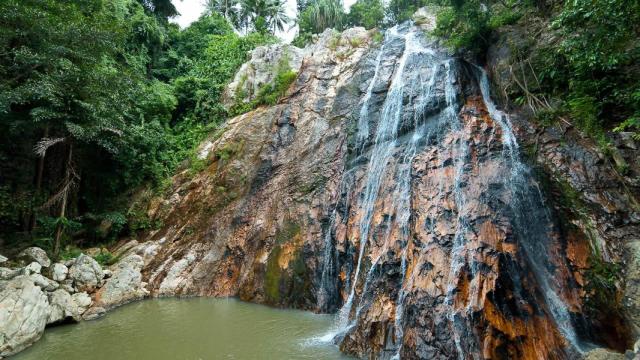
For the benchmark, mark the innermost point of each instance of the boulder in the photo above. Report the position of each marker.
(8, 274)
(86, 273)
(59, 272)
(3, 259)
(124, 285)
(44, 283)
(261, 70)
(34, 254)
(67, 285)
(82, 301)
(94, 313)
(62, 307)
(603, 354)
(24, 311)
(33, 268)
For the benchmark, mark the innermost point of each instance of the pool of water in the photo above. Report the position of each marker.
(190, 329)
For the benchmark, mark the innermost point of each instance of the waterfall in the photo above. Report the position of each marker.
(425, 84)
(384, 144)
(530, 218)
(328, 264)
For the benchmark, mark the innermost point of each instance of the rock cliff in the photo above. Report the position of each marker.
(387, 185)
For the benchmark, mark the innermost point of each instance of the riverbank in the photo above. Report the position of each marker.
(36, 293)
(189, 328)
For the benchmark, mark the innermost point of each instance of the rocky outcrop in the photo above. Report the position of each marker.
(23, 314)
(387, 184)
(389, 187)
(594, 194)
(261, 70)
(86, 273)
(124, 285)
(29, 300)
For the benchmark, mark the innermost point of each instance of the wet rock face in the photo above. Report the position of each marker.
(249, 224)
(388, 186)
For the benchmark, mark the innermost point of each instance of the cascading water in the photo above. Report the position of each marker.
(530, 218)
(383, 148)
(425, 84)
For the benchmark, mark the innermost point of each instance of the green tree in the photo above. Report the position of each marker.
(161, 8)
(318, 16)
(402, 10)
(262, 15)
(366, 13)
(227, 8)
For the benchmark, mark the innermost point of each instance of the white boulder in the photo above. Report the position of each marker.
(33, 268)
(44, 283)
(62, 307)
(86, 273)
(59, 272)
(24, 311)
(34, 254)
(124, 285)
(82, 301)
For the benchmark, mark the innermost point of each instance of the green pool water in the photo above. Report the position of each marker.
(189, 329)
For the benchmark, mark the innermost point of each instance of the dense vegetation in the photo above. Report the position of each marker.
(575, 61)
(100, 98)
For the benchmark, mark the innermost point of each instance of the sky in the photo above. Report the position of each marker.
(190, 11)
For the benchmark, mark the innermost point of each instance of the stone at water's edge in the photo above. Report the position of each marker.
(29, 300)
(62, 307)
(23, 314)
(124, 285)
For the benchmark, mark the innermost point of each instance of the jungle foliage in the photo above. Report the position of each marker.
(99, 98)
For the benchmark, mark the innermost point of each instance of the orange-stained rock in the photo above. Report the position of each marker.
(277, 217)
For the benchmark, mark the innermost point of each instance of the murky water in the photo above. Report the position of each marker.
(189, 329)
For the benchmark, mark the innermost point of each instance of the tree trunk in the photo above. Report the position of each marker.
(39, 176)
(63, 204)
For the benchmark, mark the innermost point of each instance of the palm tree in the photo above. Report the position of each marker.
(269, 14)
(277, 17)
(227, 8)
(326, 14)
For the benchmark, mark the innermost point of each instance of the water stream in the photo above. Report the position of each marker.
(391, 148)
(189, 329)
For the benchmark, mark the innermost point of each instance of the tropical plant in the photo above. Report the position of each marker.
(262, 15)
(318, 16)
(326, 14)
(227, 8)
(161, 8)
(366, 13)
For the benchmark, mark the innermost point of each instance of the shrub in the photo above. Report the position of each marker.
(269, 94)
